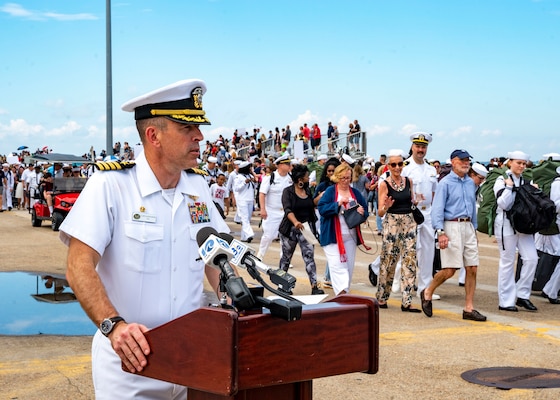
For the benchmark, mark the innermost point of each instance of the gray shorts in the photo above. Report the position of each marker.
(462, 250)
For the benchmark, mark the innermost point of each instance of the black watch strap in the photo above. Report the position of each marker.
(108, 324)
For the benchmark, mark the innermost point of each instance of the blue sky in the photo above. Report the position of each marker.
(482, 75)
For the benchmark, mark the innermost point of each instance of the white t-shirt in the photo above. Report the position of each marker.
(219, 193)
(273, 198)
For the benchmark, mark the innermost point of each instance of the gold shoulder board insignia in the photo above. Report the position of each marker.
(406, 163)
(113, 165)
(197, 171)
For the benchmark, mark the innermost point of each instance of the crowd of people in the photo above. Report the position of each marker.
(132, 230)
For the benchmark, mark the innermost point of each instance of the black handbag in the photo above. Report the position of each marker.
(417, 215)
(352, 217)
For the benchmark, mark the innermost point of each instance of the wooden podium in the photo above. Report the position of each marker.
(219, 354)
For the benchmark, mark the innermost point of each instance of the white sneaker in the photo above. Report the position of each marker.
(434, 296)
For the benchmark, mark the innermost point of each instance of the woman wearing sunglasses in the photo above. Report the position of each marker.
(396, 197)
(340, 242)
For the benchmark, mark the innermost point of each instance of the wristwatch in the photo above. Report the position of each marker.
(108, 324)
(440, 232)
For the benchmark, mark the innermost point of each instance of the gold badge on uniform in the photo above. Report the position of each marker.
(199, 212)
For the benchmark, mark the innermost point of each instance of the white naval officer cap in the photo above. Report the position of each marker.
(212, 159)
(283, 159)
(181, 102)
(421, 138)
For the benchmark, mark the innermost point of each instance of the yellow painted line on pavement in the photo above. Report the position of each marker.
(68, 366)
(542, 329)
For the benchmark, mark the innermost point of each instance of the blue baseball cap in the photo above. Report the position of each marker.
(460, 153)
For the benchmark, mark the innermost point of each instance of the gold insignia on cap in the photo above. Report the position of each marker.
(142, 209)
(196, 95)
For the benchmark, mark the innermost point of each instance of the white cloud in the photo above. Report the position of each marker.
(20, 127)
(67, 129)
(377, 130)
(16, 10)
(491, 132)
(462, 130)
(409, 129)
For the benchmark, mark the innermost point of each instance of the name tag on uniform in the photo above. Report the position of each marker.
(143, 217)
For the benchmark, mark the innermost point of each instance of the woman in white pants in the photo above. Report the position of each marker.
(509, 241)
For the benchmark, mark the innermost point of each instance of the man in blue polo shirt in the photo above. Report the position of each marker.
(454, 219)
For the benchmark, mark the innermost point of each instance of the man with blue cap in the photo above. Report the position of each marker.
(132, 255)
(454, 219)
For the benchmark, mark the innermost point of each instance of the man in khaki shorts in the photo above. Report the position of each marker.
(454, 219)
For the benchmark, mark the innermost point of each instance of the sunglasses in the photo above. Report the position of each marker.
(394, 164)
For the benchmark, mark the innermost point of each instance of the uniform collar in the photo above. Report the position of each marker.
(147, 181)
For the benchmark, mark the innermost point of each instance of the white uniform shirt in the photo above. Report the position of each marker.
(424, 178)
(504, 201)
(147, 242)
(244, 192)
(25, 176)
(273, 198)
(34, 179)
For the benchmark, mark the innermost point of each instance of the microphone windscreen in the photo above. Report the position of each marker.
(226, 236)
(204, 233)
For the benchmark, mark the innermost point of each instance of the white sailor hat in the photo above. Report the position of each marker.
(396, 153)
(5, 164)
(282, 159)
(212, 159)
(348, 159)
(75, 169)
(518, 155)
(552, 156)
(421, 138)
(480, 169)
(180, 102)
(237, 162)
(322, 157)
(244, 164)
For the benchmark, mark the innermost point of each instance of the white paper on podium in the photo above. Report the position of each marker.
(306, 299)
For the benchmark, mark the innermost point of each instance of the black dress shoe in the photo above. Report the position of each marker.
(552, 301)
(383, 305)
(526, 304)
(426, 304)
(410, 309)
(512, 308)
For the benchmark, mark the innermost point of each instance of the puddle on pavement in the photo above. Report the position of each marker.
(35, 304)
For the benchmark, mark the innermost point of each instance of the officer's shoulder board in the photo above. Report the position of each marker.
(197, 171)
(406, 162)
(113, 165)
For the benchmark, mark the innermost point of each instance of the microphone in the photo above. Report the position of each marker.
(243, 257)
(215, 252)
(290, 310)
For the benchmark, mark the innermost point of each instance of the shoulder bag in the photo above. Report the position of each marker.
(352, 217)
